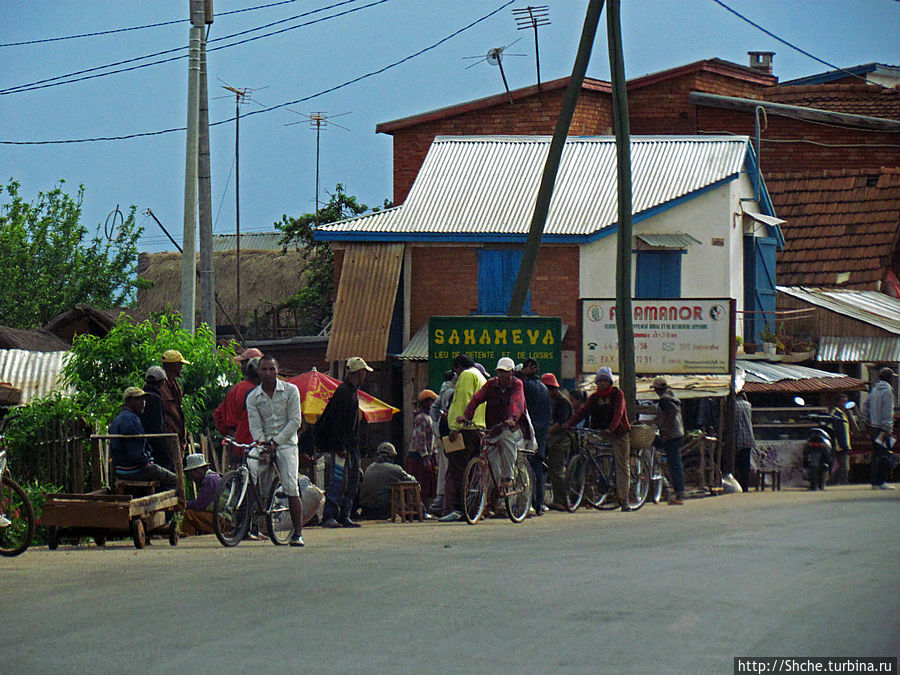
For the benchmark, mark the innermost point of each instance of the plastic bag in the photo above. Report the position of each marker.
(730, 485)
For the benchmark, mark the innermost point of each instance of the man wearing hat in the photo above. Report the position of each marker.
(338, 434)
(198, 512)
(540, 411)
(559, 441)
(880, 417)
(375, 492)
(504, 399)
(671, 435)
(154, 418)
(421, 459)
(131, 456)
(172, 396)
(231, 414)
(606, 411)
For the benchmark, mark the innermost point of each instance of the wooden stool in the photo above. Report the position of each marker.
(135, 488)
(406, 501)
(775, 476)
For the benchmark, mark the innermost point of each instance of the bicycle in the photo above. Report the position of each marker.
(16, 512)
(591, 474)
(238, 499)
(659, 474)
(479, 478)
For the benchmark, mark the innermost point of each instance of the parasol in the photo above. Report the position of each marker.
(316, 389)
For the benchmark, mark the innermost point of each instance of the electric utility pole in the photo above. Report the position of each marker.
(241, 96)
(188, 261)
(207, 276)
(624, 326)
(551, 167)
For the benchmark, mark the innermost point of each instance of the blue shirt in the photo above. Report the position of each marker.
(128, 452)
(537, 400)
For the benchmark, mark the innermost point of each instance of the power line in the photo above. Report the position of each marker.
(131, 28)
(280, 105)
(795, 47)
(52, 81)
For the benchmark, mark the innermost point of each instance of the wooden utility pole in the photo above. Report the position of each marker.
(188, 260)
(551, 166)
(624, 324)
(207, 276)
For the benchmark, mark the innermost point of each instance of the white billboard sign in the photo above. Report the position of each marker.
(671, 336)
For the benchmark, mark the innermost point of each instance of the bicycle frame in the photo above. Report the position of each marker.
(247, 475)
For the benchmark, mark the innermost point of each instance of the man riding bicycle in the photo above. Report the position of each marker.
(504, 397)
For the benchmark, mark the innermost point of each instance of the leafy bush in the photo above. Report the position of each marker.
(37, 494)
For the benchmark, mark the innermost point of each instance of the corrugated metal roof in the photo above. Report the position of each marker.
(859, 349)
(365, 301)
(250, 241)
(668, 240)
(869, 307)
(488, 184)
(417, 349)
(35, 373)
(760, 376)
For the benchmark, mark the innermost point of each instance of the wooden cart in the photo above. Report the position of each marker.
(121, 509)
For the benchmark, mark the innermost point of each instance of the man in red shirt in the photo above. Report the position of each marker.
(504, 397)
(606, 408)
(231, 415)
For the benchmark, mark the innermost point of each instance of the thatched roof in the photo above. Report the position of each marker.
(83, 318)
(267, 278)
(31, 340)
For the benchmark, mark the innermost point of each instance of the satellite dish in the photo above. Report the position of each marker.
(493, 56)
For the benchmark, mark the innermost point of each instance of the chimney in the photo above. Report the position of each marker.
(761, 61)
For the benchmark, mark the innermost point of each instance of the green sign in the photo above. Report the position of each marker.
(489, 338)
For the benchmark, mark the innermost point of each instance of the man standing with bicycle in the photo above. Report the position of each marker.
(606, 408)
(504, 399)
(273, 414)
(671, 435)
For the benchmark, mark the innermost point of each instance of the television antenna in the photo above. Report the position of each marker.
(494, 57)
(532, 17)
(318, 121)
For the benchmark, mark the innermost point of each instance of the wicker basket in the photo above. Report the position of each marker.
(642, 436)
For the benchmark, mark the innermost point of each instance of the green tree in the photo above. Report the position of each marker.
(313, 302)
(49, 262)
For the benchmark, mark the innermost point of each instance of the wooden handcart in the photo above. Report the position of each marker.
(128, 507)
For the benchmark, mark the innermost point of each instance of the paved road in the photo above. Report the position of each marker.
(663, 590)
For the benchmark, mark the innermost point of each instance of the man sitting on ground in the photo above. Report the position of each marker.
(375, 493)
(198, 512)
(131, 456)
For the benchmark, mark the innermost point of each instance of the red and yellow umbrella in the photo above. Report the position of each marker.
(316, 389)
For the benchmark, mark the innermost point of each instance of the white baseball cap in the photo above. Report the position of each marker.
(355, 363)
(505, 363)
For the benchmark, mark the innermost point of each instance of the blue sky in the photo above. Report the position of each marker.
(278, 161)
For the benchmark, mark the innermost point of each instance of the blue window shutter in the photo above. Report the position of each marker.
(497, 272)
(759, 286)
(657, 275)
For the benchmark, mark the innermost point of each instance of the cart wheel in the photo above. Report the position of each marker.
(138, 534)
(100, 539)
(53, 538)
(174, 534)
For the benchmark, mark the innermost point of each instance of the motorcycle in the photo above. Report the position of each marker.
(818, 452)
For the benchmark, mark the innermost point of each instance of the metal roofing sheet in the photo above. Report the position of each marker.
(250, 241)
(417, 349)
(767, 220)
(858, 349)
(760, 376)
(35, 373)
(762, 371)
(869, 307)
(488, 184)
(365, 301)
(668, 240)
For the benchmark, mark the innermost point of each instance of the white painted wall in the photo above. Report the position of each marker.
(707, 271)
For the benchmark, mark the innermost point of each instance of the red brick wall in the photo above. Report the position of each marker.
(445, 283)
(532, 116)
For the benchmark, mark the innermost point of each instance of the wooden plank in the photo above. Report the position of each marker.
(87, 497)
(113, 515)
(161, 500)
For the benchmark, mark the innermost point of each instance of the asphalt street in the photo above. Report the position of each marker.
(667, 589)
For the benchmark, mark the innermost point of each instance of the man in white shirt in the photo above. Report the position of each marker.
(273, 412)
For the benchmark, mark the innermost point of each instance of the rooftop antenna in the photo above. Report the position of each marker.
(532, 17)
(241, 97)
(495, 58)
(319, 122)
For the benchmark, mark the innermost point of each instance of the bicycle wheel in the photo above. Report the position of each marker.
(600, 478)
(518, 499)
(474, 489)
(575, 481)
(278, 515)
(639, 480)
(15, 537)
(656, 478)
(231, 509)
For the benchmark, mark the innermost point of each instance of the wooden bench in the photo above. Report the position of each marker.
(135, 488)
(406, 501)
(774, 474)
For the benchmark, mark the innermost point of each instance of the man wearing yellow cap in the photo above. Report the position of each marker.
(172, 396)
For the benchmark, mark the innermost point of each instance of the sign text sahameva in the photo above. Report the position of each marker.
(489, 338)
